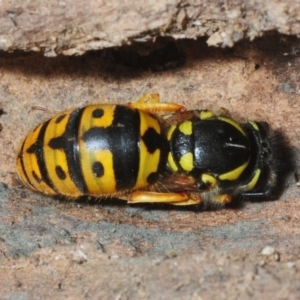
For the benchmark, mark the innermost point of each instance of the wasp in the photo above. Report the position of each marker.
(149, 152)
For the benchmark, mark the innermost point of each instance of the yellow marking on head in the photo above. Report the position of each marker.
(254, 125)
(234, 174)
(171, 162)
(209, 180)
(251, 185)
(187, 162)
(170, 132)
(233, 123)
(206, 114)
(186, 127)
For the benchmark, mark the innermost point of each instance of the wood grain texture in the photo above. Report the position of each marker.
(73, 27)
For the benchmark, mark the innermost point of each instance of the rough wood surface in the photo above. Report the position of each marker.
(73, 27)
(52, 249)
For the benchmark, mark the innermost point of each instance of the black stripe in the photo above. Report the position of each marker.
(126, 149)
(122, 139)
(68, 142)
(20, 157)
(38, 149)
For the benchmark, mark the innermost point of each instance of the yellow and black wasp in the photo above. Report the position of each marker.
(133, 152)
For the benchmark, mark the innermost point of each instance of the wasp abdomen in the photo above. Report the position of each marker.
(95, 150)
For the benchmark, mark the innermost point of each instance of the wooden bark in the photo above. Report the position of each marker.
(73, 27)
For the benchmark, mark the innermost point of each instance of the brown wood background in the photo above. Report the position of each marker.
(73, 27)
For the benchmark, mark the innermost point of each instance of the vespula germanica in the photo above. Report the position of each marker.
(133, 152)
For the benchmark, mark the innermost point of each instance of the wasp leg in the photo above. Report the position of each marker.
(188, 114)
(150, 103)
(179, 116)
(223, 111)
(167, 198)
(194, 198)
(42, 108)
(264, 193)
(154, 197)
(222, 199)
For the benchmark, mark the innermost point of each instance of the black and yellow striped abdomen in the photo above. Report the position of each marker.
(94, 150)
